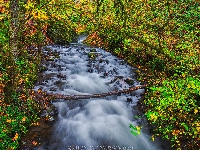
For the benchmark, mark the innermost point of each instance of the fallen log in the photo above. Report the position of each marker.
(78, 97)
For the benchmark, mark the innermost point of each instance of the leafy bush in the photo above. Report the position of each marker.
(175, 108)
(158, 37)
(14, 120)
(161, 39)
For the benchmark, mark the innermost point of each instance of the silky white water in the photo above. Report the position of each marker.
(93, 123)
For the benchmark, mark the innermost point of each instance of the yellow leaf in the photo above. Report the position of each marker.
(152, 138)
(8, 120)
(183, 75)
(16, 137)
(175, 132)
(195, 111)
(137, 127)
(34, 143)
(24, 119)
(198, 129)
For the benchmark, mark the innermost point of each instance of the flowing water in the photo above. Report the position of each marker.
(100, 123)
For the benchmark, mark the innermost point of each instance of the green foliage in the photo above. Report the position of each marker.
(14, 122)
(16, 77)
(60, 33)
(161, 38)
(174, 108)
(135, 130)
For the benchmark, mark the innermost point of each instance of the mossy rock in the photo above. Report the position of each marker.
(43, 68)
(92, 55)
(46, 49)
(93, 50)
(129, 81)
(49, 59)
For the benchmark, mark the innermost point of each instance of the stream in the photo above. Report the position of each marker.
(96, 123)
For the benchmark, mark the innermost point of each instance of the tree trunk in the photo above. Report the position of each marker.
(10, 86)
(14, 27)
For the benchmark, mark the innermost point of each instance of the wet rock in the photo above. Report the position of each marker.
(90, 70)
(51, 119)
(139, 92)
(42, 68)
(119, 94)
(41, 83)
(50, 58)
(48, 113)
(58, 82)
(84, 53)
(105, 74)
(122, 62)
(129, 81)
(56, 54)
(92, 55)
(46, 49)
(129, 100)
(89, 65)
(119, 77)
(117, 82)
(61, 76)
(100, 60)
(53, 89)
(59, 68)
(53, 65)
(82, 48)
(93, 50)
(55, 59)
(49, 76)
(43, 114)
(112, 81)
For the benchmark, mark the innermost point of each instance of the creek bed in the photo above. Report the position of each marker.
(95, 123)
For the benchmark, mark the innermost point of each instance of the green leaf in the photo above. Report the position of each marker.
(134, 133)
(186, 127)
(167, 137)
(130, 125)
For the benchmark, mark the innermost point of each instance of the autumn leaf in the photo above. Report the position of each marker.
(34, 143)
(195, 111)
(175, 132)
(8, 120)
(15, 137)
(152, 137)
(24, 119)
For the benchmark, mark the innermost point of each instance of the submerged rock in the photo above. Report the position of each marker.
(53, 89)
(61, 76)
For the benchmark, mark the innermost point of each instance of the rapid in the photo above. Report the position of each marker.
(96, 123)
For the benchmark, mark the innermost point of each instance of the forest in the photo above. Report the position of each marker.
(160, 38)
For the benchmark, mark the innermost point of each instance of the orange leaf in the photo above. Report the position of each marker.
(16, 137)
(34, 143)
(24, 119)
(8, 120)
